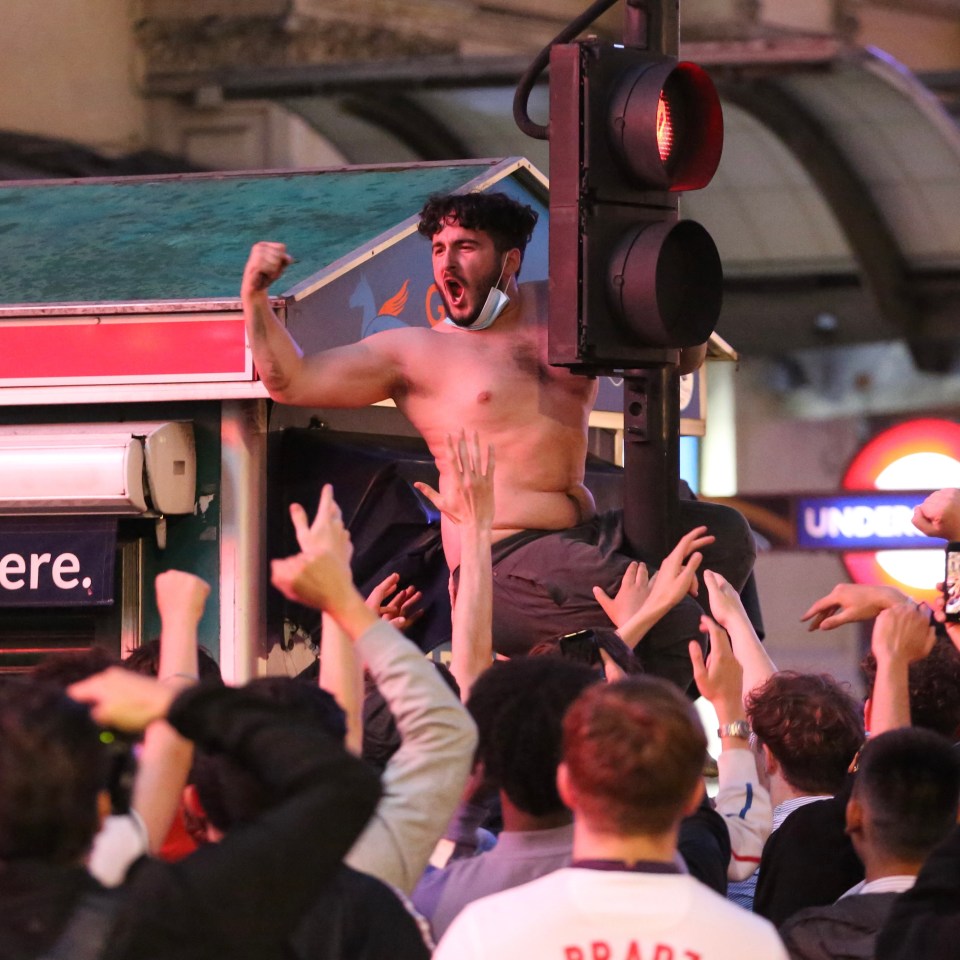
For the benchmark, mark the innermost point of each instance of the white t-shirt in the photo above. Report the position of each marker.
(585, 914)
(121, 840)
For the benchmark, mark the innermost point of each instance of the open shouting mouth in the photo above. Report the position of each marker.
(455, 290)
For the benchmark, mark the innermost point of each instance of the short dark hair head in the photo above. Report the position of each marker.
(508, 223)
(229, 794)
(934, 686)
(811, 725)
(145, 660)
(909, 781)
(518, 706)
(634, 751)
(64, 669)
(52, 766)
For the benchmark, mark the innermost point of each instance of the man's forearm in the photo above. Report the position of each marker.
(276, 354)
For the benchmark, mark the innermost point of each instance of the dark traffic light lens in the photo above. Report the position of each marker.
(665, 283)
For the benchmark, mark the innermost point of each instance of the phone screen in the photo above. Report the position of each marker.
(951, 583)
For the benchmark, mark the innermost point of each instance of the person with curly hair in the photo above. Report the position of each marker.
(808, 729)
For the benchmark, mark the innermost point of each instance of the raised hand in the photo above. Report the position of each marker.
(327, 534)
(181, 596)
(720, 678)
(903, 632)
(122, 699)
(266, 263)
(725, 602)
(850, 603)
(468, 494)
(320, 575)
(398, 607)
(939, 514)
(629, 598)
(677, 575)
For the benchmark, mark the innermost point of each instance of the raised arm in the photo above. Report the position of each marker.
(742, 801)
(747, 648)
(424, 778)
(470, 507)
(901, 635)
(166, 757)
(353, 375)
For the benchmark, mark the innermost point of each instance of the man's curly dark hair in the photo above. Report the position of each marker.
(509, 223)
(811, 725)
(518, 706)
(934, 685)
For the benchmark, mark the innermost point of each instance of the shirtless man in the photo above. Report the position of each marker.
(485, 370)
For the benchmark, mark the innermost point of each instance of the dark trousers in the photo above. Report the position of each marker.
(543, 584)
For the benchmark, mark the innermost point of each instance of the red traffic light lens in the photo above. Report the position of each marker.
(666, 125)
(664, 129)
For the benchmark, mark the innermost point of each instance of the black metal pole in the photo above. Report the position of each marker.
(651, 459)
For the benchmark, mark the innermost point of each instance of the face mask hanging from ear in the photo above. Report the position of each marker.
(493, 306)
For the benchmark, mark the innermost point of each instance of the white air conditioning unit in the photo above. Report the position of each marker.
(130, 469)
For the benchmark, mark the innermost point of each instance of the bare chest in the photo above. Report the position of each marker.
(475, 382)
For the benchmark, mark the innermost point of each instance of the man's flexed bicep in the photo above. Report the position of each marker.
(349, 376)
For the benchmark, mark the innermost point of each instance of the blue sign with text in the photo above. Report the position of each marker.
(57, 561)
(881, 521)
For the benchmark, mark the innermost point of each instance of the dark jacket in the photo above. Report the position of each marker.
(241, 898)
(358, 917)
(845, 930)
(925, 920)
(809, 861)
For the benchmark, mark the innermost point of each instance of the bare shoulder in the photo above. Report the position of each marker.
(398, 342)
(535, 302)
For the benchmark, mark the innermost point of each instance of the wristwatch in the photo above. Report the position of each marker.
(739, 729)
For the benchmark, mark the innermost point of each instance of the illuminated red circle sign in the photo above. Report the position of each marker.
(917, 455)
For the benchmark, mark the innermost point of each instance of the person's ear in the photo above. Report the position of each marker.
(770, 764)
(695, 799)
(854, 817)
(511, 263)
(867, 714)
(564, 787)
(104, 807)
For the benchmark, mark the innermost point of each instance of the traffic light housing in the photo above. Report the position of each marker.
(630, 283)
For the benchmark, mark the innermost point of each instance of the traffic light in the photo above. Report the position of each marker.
(630, 283)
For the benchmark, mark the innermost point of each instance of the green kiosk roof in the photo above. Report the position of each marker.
(187, 237)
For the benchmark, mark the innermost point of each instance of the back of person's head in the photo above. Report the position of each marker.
(909, 782)
(634, 753)
(145, 660)
(934, 688)
(64, 669)
(508, 223)
(229, 794)
(518, 706)
(811, 725)
(52, 767)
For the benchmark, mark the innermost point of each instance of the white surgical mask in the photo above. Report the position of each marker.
(493, 306)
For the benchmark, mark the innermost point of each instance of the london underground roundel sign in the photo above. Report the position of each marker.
(916, 455)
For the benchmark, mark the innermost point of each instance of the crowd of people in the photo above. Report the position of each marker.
(542, 797)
